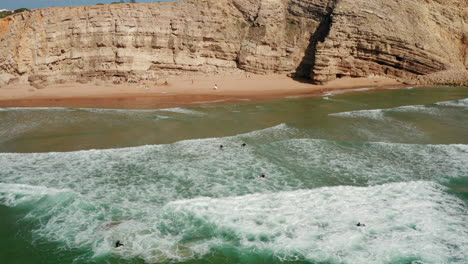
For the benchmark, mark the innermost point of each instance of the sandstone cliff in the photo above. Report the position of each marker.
(317, 39)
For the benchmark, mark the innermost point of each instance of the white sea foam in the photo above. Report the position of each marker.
(421, 109)
(127, 112)
(380, 114)
(15, 194)
(455, 103)
(411, 220)
(8, 132)
(394, 88)
(202, 169)
(336, 92)
(377, 114)
(372, 131)
(18, 121)
(134, 113)
(370, 163)
(97, 110)
(93, 198)
(278, 132)
(295, 96)
(196, 164)
(105, 110)
(403, 220)
(36, 109)
(210, 102)
(110, 110)
(182, 111)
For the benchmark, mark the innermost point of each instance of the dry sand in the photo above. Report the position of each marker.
(178, 91)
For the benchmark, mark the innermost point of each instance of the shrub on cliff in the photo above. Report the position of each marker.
(5, 14)
(9, 13)
(19, 10)
(122, 2)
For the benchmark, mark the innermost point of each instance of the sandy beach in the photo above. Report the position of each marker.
(176, 91)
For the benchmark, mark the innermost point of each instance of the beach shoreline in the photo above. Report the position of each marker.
(179, 91)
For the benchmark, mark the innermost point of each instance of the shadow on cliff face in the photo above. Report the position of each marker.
(304, 72)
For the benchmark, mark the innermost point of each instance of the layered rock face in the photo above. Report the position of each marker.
(317, 39)
(397, 38)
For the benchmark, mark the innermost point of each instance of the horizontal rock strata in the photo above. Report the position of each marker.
(316, 39)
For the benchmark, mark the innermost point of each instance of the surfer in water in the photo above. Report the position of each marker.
(221, 147)
(118, 244)
(359, 224)
(263, 175)
(243, 144)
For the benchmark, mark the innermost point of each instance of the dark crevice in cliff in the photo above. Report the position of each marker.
(306, 67)
(254, 34)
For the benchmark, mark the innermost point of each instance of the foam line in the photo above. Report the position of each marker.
(380, 114)
(35, 109)
(182, 111)
(337, 92)
(455, 103)
(104, 110)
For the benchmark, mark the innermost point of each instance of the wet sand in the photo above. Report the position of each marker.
(176, 91)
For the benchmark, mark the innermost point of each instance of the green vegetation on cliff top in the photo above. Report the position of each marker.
(9, 13)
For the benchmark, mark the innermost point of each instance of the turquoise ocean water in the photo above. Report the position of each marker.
(74, 181)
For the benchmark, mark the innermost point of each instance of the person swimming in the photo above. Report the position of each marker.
(243, 144)
(118, 244)
(263, 175)
(221, 146)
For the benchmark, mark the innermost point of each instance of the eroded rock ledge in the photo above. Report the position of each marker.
(317, 39)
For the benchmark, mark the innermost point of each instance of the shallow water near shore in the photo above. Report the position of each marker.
(73, 181)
